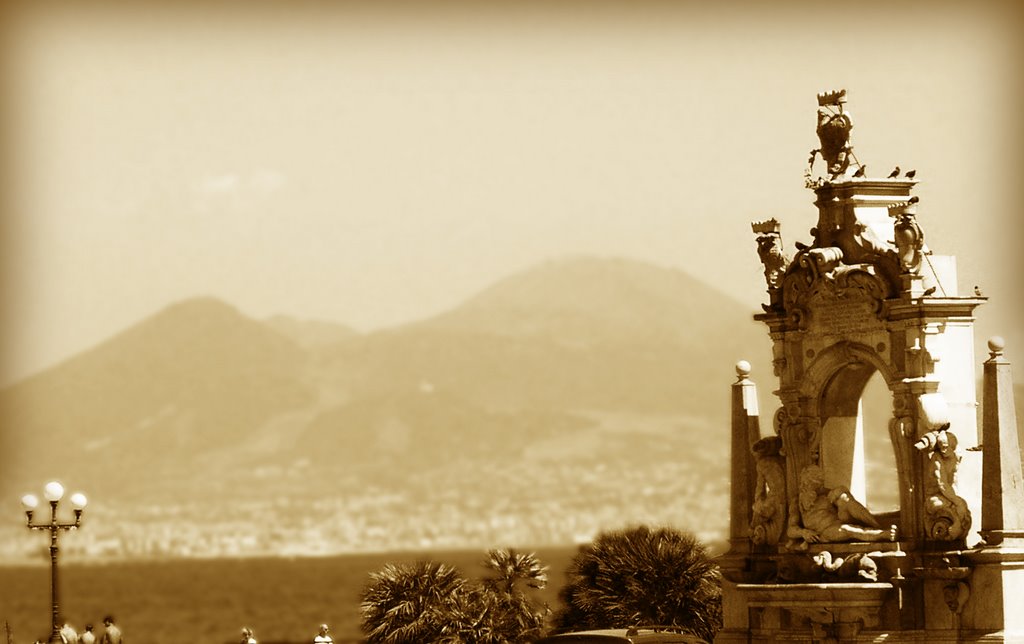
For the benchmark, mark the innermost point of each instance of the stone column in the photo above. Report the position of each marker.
(993, 591)
(1002, 491)
(735, 564)
(745, 432)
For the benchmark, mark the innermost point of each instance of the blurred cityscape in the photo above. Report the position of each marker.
(464, 507)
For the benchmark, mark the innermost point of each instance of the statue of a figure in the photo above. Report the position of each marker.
(855, 567)
(947, 517)
(834, 125)
(825, 567)
(769, 249)
(908, 236)
(769, 508)
(831, 516)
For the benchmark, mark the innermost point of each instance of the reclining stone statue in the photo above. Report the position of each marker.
(825, 515)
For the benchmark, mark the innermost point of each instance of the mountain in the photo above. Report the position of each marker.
(576, 393)
(148, 402)
(591, 300)
(311, 334)
(582, 333)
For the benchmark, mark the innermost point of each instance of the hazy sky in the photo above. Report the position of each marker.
(374, 166)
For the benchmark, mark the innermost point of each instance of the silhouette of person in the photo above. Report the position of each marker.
(111, 633)
(87, 637)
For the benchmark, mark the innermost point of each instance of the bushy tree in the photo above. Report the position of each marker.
(642, 576)
(410, 604)
(431, 602)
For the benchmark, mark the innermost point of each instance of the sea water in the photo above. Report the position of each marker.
(199, 601)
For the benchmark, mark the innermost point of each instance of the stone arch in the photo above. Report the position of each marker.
(834, 358)
(832, 387)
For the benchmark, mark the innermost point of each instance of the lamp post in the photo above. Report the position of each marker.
(54, 492)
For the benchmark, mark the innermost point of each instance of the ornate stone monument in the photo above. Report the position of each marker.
(809, 560)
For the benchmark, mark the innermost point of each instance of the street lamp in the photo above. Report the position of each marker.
(54, 492)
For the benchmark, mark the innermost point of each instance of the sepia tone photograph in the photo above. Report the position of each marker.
(510, 322)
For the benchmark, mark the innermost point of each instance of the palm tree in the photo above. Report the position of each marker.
(432, 602)
(642, 576)
(511, 568)
(498, 610)
(513, 615)
(412, 604)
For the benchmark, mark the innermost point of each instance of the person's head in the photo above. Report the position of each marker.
(946, 443)
(108, 620)
(323, 629)
(88, 628)
(812, 479)
(768, 446)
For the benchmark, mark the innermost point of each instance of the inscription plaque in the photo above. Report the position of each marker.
(843, 317)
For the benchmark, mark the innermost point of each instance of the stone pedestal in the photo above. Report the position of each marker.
(819, 612)
(992, 599)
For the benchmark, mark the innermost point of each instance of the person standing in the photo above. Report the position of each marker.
(111, 633)
(323, 637)
(88, 637)
(68, 634)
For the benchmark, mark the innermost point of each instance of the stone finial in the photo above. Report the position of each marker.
(743, 369)
(996, 344)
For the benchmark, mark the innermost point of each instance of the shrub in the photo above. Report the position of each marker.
(642, 576)
(410, 604)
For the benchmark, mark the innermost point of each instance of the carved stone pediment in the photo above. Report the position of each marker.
(825, 296)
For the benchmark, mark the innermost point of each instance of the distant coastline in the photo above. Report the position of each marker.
(401, 554)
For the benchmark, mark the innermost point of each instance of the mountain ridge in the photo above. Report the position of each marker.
(582, 287)
(199, 402)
